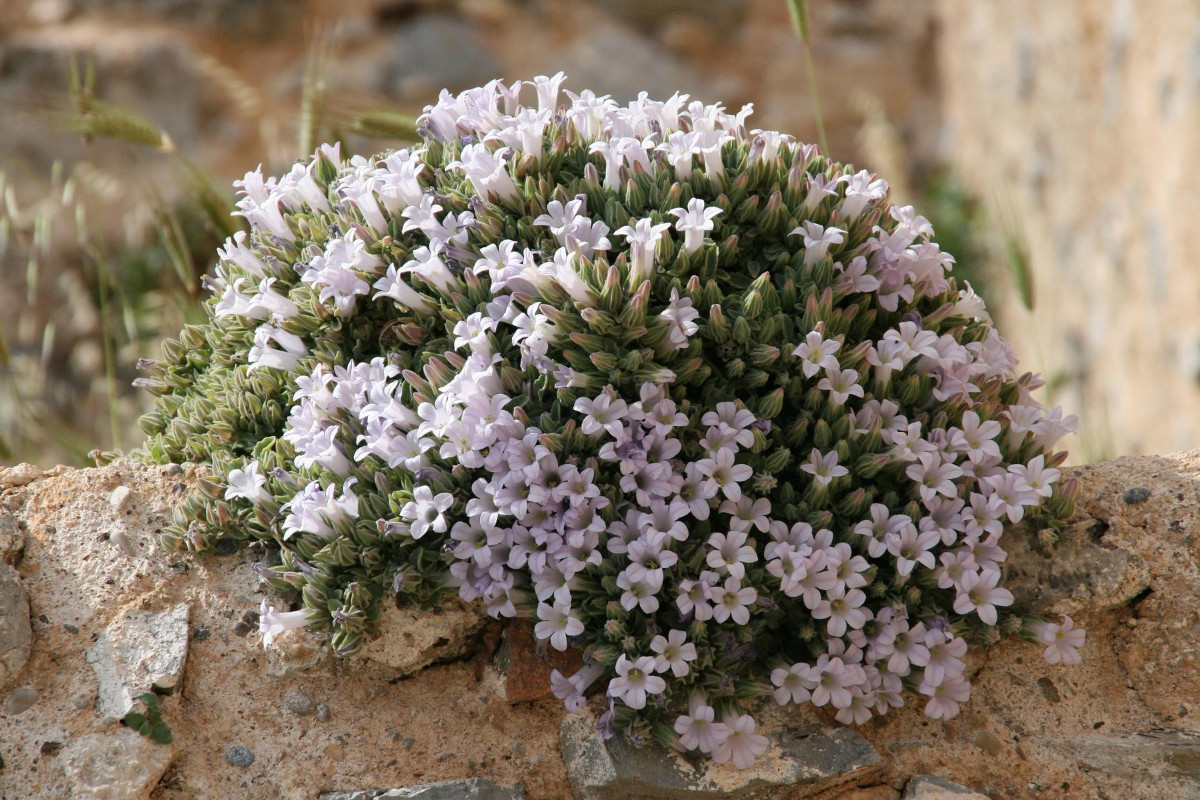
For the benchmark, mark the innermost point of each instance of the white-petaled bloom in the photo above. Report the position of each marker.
(487, 171)
(817, 353)
(262, 354)
(680, 316)
(635, 679)
(602, 413)
(733, 601)
(271, 623)
(558, 622)
(673, 653)
(247, 484)
(791, 684)
(1035, 476)
(426, 511)
(841, 385)
(393, 286)
(824, 468)
(642, 237)
(1063, 640)
(697, 730)
(742, 744)
(817, 240)
(978, 592)
(724, 474)
(694, 221)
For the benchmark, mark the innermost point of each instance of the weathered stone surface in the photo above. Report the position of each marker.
(930, 787)
(1166, 760)
(1077, 566)
(20, 475)
(15, 632)
(12, 538)
(20, 700)
(524, 664)
(117, 765)
(808, 763)
(468, 789)
(137, 653)
(412, 639)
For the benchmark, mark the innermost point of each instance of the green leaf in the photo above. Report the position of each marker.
(134, 720)
(799, 11)
(162, 734)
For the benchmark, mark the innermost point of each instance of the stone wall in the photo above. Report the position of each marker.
(1084, 116)
(93, 612)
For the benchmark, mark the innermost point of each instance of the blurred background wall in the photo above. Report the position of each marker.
(1054, 146)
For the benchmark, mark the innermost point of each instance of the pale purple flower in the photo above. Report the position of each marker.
(934, 476)
(978, 592)
(674, 651)
(746, 513)
(639, 592)
(1063, 640)
(913, 547)
(842, 607)
(271, 623)
(1036, 477)
(730, 553)
(247, 484)
(602, 413)
(945, 697)
(427, 512)
(817, 240)
(741, 744)
(817, 353)
(724, 474)
(823, 468)
(681, 318)
(635, 679)
(697, 730)
(733, 601)
(642, 237)
(557, 623)
(791, 683)
(841, 385)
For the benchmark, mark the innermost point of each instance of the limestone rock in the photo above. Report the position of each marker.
(809, 763)
(20, 475)
(139, 652)
(1079, 565)
(1168, 760)
(412, 639)
(929, 787)
(15, 632)
(116, 765)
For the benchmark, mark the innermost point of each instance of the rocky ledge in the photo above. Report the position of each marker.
(93, 614)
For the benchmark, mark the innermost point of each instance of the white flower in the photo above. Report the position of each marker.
(674, 651)
(817, 240)
(271, 623)
(642, 237)
(694, 222)
(635, 680)
(247, 484)
(1063, 640)
(742, 744)
(557, 623)
(427, 512)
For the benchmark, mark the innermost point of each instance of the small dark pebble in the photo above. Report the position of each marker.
(172, 469)
(407, 743)
(323, 713)
(1136, 494)
(42, 618)
(49, 529)
(377, 690)
(242, 628)
(201, 633)
(226, 547)
(239, 755)
(69, 628)
(483, 698)
(519, 749)
(50, 748)
(180, 566)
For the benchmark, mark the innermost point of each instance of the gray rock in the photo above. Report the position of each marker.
(1078, 566)
(469, 789)
(16, 635)
(21, 699)
(412, 639)
(323, 712)
(138, 652)
(1154, 757)
(223, 17)
(930, 787)
(1136, 495)
(809, 763)
(12, 538)
(299, 702)
(643, 65)
(116, 765)
(120, 499)
(239, 755)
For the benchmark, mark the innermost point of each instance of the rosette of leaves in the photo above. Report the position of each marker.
(695, 397)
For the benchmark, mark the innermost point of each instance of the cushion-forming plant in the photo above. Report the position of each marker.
(700, 401)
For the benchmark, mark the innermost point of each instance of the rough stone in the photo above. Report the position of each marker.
(299, 702)
(239, 755)
(120, 498)
(12, 538)
(16, 635)
(468, 789)
(116, 765)
(1135, 495)
(139, 652)
(415, 65)
(1167, 759)
(808, 762)
(1078, 563)
(524, 664)
(20, 700)
(930, 787)
(412, 639)
(20, 475)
